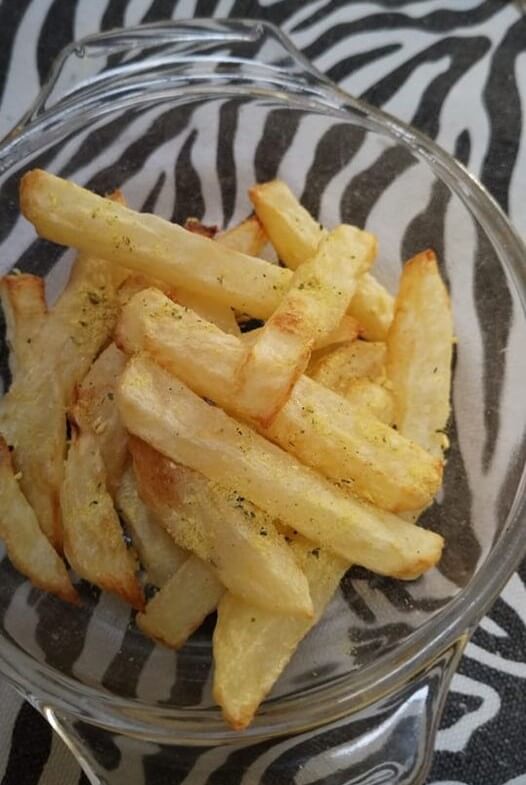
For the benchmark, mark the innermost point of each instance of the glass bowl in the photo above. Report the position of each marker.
(185, 117)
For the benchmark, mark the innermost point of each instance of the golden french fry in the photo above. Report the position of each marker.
(363, 393)
(195, 225)
(220, 315)
(335, 369)
(162, 411)
(27, 547)
(319, 295)
(70, 215)
(296, 235)
(182, 604)
(158, 553)
(24, 304)
(290, 227)
(419, 354)
(237, 540)
(252, 646)
(348, 330)
(32, 414)
(93, 538)
(248, 237)
(95, 409)
(316, 425)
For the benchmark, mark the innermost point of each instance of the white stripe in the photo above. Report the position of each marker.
(21, 619)
(456, 737)
(157, 676)
(496, 662)
(88, 17)
(492, 628)
(518, 180)
(61, 768)
(515, 594)
(103, 639)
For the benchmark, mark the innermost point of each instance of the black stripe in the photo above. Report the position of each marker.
(11, 17)
(113, 15)
(400, 597)
(189, 201)
(364, 190)
(101, 138)
(30, 748)
(354, 600)
(441, 21)
(61, 628)
(334, 150)
(463, 52)
(344, 68)
(367, 643)
(123, 673)
(205, 8)
(56, 33)
(427, 229)
(277, 136)
(193, 665)
(151, 199)
(159, 11)
(226, 163)
(452, 518)
(233, 769)
(171, 765)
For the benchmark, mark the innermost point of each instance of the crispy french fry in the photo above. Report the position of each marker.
(93, 539)
(70, 215)
(24, 304)
(209, 309)
(32, 414)
(158, 553)
(372, 396)
(162, 411)
(195, 225)
(296, 235)
(420, 348)
(238, 541)
(313, 307)
(335, 369)
(248, 237)
(182, 604)
(347, 330)
(26, 545)
(252, 646)
(95, 410)
(290, 227)
(316, 425)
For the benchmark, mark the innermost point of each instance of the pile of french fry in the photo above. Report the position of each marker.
(249, 470)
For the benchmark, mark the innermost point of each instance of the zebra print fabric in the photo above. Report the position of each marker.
(457, 70)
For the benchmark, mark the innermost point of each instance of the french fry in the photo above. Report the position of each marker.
(335, 369)
(319, 295)
(182, 604)
(95, 410)
(160, 410)
(296, 235)
(420, 348)
(32, 414)
(93, 539)
(238, 541)
(348, 330)
(220, 315)
(70, 215)
(363, 393)
(24, 304)
(248, 237)
(252, 646)
(27, 547)
(158, 553)
(316, 425)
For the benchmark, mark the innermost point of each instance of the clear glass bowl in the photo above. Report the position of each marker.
(184, 117)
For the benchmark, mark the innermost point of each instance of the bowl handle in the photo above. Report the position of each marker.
(388, 743)
(198, 52)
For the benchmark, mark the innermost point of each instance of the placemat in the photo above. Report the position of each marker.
(449, 67)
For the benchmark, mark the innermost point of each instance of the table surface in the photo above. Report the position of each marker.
(445, 66)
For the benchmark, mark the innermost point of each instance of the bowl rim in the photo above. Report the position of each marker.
(45, 686)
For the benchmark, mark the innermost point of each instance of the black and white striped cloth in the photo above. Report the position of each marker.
(445, 66)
